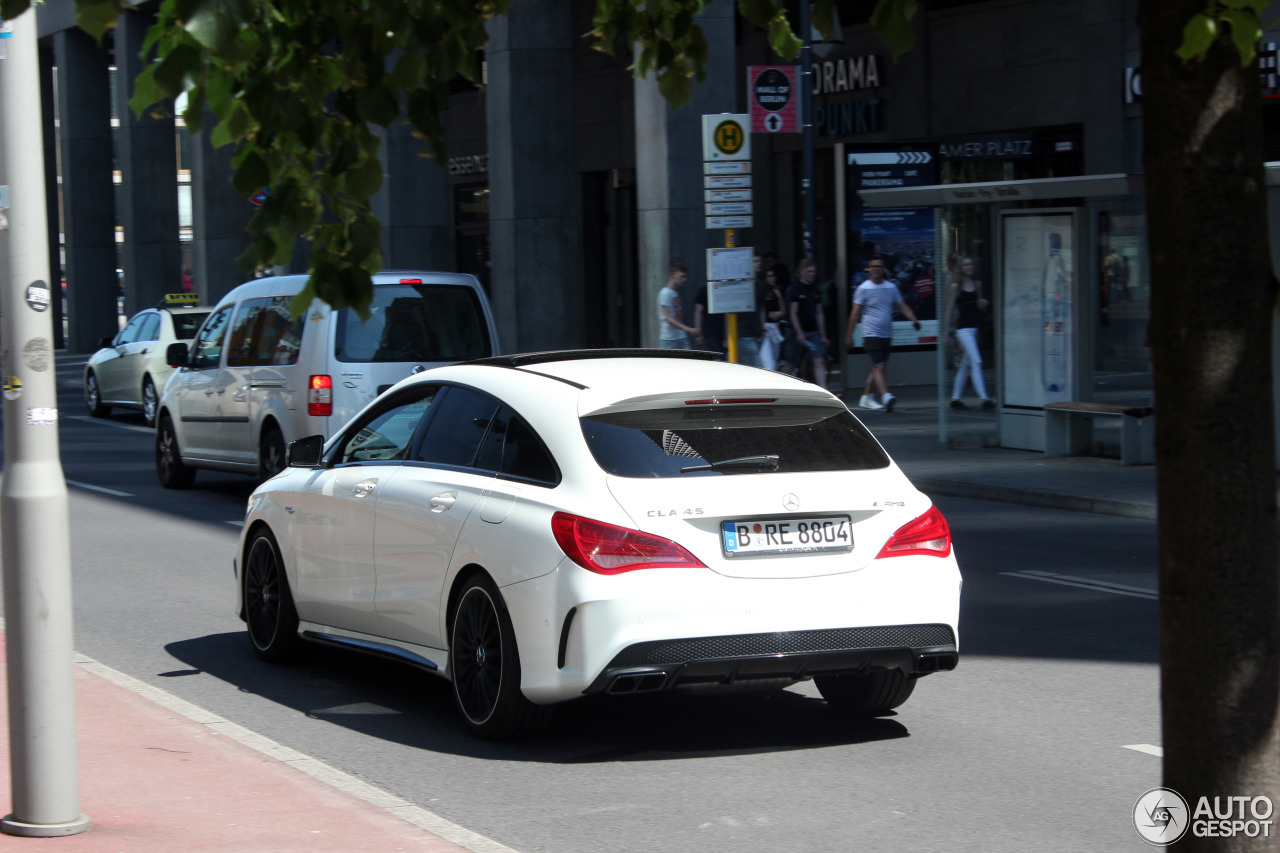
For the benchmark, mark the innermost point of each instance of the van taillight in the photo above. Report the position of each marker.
(320, 396)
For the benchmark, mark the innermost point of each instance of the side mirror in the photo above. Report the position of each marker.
(305, 452)
(108, 341)
(176, 355)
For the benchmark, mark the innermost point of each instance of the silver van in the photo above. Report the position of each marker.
(255, 377)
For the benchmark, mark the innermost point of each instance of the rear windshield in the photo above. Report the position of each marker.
(415, 322)
(186, 324)
(670, 442)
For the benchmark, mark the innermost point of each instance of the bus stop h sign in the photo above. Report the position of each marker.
(771, 89)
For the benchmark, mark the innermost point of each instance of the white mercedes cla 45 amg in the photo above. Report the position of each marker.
(540, 527)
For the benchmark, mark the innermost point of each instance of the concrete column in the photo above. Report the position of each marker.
(147, 153)
(413, 205)
(669, 186)
(535, 189)
(88, 206)
(219, 215)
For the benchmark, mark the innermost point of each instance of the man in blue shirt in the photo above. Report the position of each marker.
(874, 301)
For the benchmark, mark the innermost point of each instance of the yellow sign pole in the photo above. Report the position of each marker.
(731, 321)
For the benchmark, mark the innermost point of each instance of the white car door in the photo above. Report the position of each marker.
(192, 390)
(421, 513)
(115, 370)
(335, 556)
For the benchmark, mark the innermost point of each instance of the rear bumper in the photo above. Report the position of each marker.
(746, 661)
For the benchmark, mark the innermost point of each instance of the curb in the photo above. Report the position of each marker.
(1033, 497)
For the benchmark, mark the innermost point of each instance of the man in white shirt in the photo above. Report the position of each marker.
(672, 331)
(874, 301)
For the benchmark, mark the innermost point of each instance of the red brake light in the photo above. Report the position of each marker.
(718, 400)
(411, 281)
(320, 396)
(929, 535)
(610, 550)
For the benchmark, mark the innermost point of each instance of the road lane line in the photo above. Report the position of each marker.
(102, 489)
(1157, 751)
(348, 784)
(1085, 583)
(105, 422)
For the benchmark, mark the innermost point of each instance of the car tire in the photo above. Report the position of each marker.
(169, 468)
(93, 396)
(484, 664)
(269, 611)
(271, 453)
(870, 695)
(150, 402)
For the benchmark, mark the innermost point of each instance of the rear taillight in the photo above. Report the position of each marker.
(929, 535)
(610, 550)
(320, 396)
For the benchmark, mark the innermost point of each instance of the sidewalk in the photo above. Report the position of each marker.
(970, 466)
(159, 775)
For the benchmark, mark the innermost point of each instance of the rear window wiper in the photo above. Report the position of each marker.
(770, 462)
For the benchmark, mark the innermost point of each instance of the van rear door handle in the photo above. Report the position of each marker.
(443, 501)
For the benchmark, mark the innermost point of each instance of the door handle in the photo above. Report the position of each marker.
(222, 390)
(364, 488)
(443, 501)
(209, 393)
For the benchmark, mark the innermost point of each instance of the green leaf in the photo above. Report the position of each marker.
(301, 302)
(252, 175)
(145, 93)
(1197, 35)
(378, 105)
(891, 19)
(177, 69)
(10, 9)
(675, 87)
(1245, 32)
(784, 42)
(365, 180)
(95, 17)
(215, 23)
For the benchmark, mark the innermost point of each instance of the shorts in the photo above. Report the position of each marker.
(878, 349)
(813, 340)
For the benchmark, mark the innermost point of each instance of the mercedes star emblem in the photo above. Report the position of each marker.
(791, 502)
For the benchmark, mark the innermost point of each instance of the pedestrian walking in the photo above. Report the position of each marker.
(672, 331)
(874, 302)
(774, 313)
(805, 307)
(965, 304)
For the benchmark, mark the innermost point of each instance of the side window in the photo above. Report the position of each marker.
(457, 429)
(387, 433)
(130, 333)
(513, 449)
(281, 337)
(206, 349)
(151, 328)
(525, 456)
(242, 346)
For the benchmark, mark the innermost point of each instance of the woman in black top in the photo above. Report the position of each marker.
(966, 304)
(774, 311)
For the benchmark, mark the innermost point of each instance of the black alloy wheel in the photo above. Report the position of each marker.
(150, 401)
(93, 396)
(269, 611)
(485, 666)
(169, 468)
(271, 454)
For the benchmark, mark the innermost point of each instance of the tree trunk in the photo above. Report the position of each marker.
(1212, 303)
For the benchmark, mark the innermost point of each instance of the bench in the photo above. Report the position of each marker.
(1067, 430)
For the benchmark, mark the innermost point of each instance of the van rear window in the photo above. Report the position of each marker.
(750, 439)
(415, 322)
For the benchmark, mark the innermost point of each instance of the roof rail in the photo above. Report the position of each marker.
(524, 359)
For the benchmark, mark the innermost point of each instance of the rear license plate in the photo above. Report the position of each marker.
(792, 536)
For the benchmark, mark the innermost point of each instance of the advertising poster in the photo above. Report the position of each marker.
(903, 235)
(1039, 284)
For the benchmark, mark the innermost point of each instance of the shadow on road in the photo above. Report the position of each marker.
(400, 704)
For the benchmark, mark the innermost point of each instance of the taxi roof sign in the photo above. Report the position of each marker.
(182, 299)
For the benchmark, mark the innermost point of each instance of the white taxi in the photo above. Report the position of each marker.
(129, 370)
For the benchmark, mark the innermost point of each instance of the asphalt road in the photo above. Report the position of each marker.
(1023, 747)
